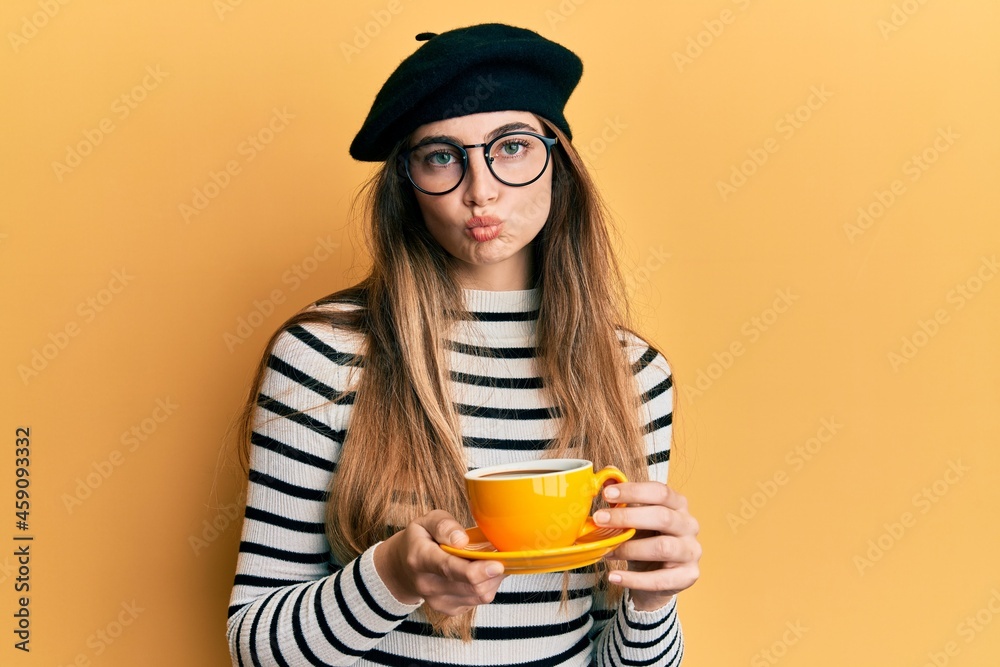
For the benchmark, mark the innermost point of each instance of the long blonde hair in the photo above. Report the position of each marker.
(402, 404)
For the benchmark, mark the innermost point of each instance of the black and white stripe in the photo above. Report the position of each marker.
(291, 605)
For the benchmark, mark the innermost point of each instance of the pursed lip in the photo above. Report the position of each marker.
(482, 221)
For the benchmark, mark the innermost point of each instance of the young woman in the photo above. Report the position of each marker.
(490, 329)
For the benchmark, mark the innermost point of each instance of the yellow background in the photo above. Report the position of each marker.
(835, 560)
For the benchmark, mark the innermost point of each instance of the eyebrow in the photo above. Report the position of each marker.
(489, 136)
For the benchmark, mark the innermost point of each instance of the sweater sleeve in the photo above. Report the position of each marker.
(626, 635)
(290, 604)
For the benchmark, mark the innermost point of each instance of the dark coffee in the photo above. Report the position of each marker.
(509, 474)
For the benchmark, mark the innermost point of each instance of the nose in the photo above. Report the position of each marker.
(480, 184)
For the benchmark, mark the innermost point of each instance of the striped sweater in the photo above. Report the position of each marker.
(291, 604)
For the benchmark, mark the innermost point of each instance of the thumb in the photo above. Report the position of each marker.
(444, 528)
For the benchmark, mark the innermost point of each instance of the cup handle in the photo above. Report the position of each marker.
(599, 479)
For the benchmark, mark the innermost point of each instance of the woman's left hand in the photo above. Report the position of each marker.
(663, 555)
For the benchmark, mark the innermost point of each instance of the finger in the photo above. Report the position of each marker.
(426, 554)
(486, 590)
(471, 572)
(645, 493)
(444, 528)
(669, 580)
(457, 604)
(648, 517)
(659, 548)
(459, 592)
(462, 583)
(484, 573)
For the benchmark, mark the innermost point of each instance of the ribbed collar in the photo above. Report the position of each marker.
(509, 301)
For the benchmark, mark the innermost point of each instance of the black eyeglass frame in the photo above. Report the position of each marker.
(549, 142)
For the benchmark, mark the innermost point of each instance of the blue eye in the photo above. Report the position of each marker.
(515, 147)
(438, 156)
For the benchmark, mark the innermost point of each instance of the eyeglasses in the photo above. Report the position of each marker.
(439, 167)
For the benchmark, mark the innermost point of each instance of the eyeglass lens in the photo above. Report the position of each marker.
(517, 159)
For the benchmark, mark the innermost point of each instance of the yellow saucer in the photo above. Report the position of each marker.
(588, 549)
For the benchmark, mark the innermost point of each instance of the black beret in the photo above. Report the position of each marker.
(475, 69)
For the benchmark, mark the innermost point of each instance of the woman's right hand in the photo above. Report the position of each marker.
(414, 566)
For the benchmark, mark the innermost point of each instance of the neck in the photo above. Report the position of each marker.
(509, 275)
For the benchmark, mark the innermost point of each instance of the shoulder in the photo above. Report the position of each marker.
(328, 328)
(642, 354)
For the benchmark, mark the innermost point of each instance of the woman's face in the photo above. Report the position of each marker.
(497, 255)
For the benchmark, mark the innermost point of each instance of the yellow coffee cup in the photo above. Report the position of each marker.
(536, 505)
